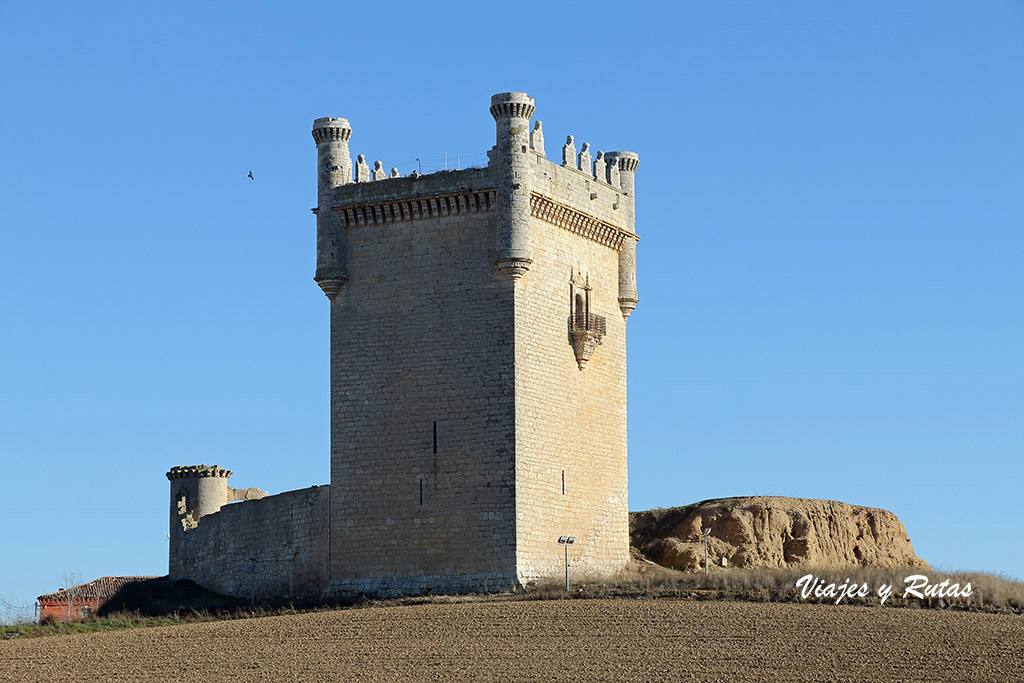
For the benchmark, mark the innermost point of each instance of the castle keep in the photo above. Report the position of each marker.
(478, 381)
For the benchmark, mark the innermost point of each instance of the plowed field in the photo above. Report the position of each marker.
(579, 640)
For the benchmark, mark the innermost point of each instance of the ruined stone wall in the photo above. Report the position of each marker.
(421, 345)
(570, 423)
(286, 534)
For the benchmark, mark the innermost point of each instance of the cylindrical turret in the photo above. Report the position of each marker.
(512, 112)
(204, 487)
(334, 168)
(334, 163)
(196, 491)
(627, 163)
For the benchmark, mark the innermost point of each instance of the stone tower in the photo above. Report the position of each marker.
(478, 362)
(478, 382)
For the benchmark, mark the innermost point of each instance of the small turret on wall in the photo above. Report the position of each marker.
(198, 491)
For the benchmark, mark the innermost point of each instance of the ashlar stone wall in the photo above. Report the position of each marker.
(422, 413)
(570, 423)
(277, 545)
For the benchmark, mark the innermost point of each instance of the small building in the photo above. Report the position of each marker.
(77, 602)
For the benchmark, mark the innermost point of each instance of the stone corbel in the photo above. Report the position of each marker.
(584, 342)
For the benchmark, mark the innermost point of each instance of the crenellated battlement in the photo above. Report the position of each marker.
(512, 105)
(331, 129)
(197, 471)
(591, 195)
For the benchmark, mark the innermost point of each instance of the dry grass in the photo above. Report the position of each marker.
(643, 579)
(991, 593)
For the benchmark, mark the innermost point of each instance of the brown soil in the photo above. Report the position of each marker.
(580, 640)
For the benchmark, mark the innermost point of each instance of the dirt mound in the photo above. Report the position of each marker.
(763, 531)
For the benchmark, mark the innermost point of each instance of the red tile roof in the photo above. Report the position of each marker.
(102, 588)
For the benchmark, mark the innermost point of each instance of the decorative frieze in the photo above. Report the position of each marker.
(418, 208)
(578, 222)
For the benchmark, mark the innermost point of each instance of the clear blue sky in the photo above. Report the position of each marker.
(830, 199)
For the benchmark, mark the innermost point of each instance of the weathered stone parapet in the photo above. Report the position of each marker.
(191, 471)
(581, 191)
(405, 187)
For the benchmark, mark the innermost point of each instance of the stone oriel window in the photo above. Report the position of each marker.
(585, 328)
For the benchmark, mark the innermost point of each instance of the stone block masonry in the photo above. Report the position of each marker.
(478, 380)
(276, 545)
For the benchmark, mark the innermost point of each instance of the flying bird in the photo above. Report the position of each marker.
(250, 176)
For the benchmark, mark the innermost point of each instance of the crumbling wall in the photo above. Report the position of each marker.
(277, 545)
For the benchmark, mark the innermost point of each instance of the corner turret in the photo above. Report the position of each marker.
(512, 112)
(197, 491)
(627, 163)
(334, 168)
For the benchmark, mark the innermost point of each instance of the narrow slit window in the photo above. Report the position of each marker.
(435, 436)
(563, 482)
(421, 492)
